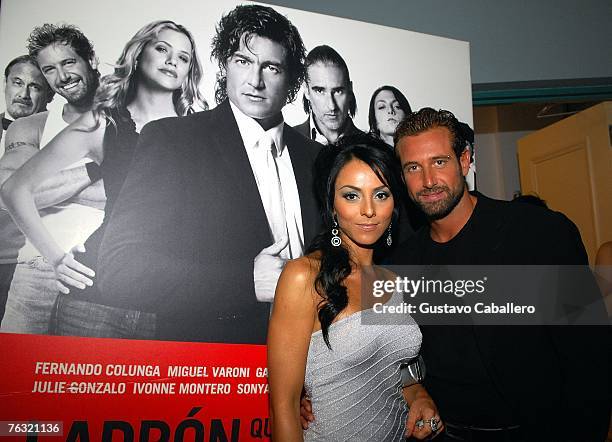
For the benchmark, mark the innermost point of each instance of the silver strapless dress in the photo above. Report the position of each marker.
(355, 388)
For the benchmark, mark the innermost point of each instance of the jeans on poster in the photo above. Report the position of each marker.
(31, 298)
(6, 277)
(74, 317)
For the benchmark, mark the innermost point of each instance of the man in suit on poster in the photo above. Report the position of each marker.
(216, 201)
(328, 98)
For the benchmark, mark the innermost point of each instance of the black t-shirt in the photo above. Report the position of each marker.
(456, 376)
(494, 375)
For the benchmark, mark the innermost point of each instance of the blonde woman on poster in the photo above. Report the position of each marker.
(156, 76)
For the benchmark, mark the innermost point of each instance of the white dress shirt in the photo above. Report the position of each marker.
(252, 135)
(315, 133)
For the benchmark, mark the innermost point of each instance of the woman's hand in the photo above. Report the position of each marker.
(71, 272)
(306, 415)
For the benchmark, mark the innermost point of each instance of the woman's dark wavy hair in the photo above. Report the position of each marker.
(249, 20)
(335, 263)
(401, 99)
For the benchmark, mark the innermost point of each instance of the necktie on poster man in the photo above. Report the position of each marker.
(271, 190)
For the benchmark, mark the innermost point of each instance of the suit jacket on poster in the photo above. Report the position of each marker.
(188, 224)
(554, 378)
(304, 128)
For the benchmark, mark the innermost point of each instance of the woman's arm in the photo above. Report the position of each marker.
(70, 145)
(23, 142)
(290, 329)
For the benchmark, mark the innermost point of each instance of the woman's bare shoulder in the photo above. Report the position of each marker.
(302, 271)
(296, 283)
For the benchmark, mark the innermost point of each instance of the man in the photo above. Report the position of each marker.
(328, 99)
(330, 102)
(190, 235)
(70, 206)
(26, 92)
(511, 383)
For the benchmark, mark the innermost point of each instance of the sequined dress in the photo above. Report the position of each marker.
(355, 388)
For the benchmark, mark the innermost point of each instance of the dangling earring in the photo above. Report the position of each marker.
(336, 240)
(389, 237)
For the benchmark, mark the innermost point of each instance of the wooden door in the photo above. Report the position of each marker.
(569, 164)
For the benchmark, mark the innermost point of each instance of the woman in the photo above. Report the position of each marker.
(315, 341)
(388, 106)
(156, 76)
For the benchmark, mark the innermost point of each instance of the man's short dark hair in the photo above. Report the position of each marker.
(31, 60)
(48, 34)
(327, 55)
(427, 118)
(249, 20)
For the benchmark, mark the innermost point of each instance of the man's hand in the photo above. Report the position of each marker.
(267, 269)
(69, 271)
(422, 411)
(306, 415)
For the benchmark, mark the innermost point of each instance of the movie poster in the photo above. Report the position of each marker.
(200, 374)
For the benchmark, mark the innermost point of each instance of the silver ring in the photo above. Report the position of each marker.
(419, 424)
(433, 423)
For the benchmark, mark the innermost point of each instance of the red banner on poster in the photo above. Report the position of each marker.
(85, 389)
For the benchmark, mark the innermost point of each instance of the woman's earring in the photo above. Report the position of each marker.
(336, 240)
(389, 237)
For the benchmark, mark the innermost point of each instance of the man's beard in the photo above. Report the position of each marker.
(85, 100)
(440, 209)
